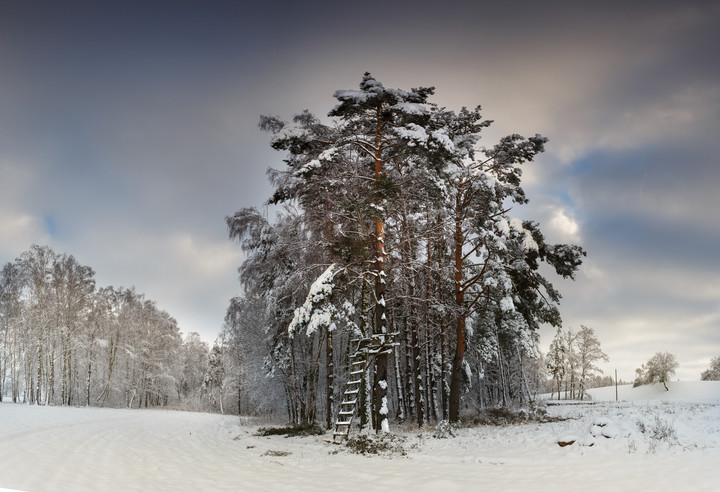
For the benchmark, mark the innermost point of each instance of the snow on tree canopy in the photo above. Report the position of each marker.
(317, 311)
(288, 133)
(414, 133)
(310, 166)
(444, 140)
(351, 95)
(505, 227)
(411, 108)
(507, 305)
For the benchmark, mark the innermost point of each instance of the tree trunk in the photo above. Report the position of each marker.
(87, 382)
(329, 375)
(399, 384)
(457, 367)
(38, 384)
(417, 375)
(409, 382)
(69, 383)
(430, 394)
(444, 390)
(380, 327)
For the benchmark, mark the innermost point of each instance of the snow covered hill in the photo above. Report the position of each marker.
(689, 391)
(652, 441)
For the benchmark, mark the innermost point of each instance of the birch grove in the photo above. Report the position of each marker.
(64, 341)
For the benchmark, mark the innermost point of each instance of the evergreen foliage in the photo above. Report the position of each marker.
(394, 197)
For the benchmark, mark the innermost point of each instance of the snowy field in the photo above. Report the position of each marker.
(654, 440)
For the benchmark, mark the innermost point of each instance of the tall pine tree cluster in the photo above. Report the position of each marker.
(392, 225)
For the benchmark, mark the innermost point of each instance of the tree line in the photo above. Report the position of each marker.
(64, 341)
(397, 223)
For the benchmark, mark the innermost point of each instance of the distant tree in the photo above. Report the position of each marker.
(658, 369)
(11, 286)
(712, 374)
(588, 354)
(194, 362)
(214, 381)
(62, 341)
(555, 360)
(571, 363)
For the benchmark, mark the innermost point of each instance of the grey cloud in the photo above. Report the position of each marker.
(136, 127)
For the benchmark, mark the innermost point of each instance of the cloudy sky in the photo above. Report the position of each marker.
(128, 131)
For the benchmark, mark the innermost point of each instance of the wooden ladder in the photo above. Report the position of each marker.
(367, 349)
(346, 412)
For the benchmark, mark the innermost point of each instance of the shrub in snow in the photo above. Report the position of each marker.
(271, 452)
(508, 415)
(386, 444)
(295, 430)
(658, 430)
(632, 447)
(444, 430)
(662, 430)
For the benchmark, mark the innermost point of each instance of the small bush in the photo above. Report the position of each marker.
(663, 430)
(509, 416)
(294, 430)
(657, 430)
(387, 444)
(271, 452)
(444, 430)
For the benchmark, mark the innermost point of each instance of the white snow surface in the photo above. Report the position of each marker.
(616, 448)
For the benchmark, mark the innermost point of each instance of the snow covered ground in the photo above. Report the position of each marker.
(654, 440)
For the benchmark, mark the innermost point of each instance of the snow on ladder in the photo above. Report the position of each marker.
(346, 412)
(359, 362)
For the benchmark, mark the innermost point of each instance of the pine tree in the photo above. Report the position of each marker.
(396, 194)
